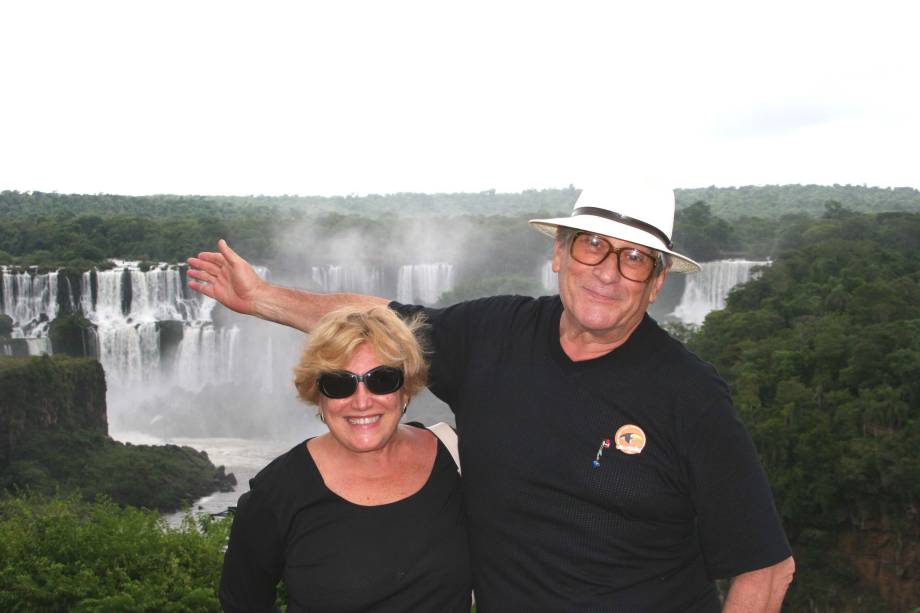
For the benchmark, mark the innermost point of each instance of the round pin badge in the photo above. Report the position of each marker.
(630, 439)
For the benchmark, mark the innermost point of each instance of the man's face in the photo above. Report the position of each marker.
(598, 299)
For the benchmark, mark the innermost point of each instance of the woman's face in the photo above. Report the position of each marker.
(363, 421)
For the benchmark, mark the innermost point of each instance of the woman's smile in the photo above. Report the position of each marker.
(367, 420)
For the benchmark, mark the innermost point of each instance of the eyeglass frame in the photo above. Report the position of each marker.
(658, 260)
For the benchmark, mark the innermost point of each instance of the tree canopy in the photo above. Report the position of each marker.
(822, 352)
(776, 201)
(79, 231)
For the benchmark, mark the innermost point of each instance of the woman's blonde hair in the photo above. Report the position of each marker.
(339, 333)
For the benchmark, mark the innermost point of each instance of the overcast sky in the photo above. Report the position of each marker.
(338, 97)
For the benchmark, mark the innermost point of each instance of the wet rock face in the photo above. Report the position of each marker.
(73, 335)
(888, 560)
(6, 326)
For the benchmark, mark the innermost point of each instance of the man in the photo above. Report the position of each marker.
(604, 468)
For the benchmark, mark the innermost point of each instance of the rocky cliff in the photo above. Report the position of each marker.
(887, 558)
(46, 393)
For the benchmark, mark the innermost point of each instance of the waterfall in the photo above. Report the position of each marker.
(128, 308)
(159, 294)
(29, 298)
(174, 362)
(424, 283)
(357, 278)
(129, 352)
(706, 290)
(198, 358)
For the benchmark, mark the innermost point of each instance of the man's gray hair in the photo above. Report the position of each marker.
(565, 235)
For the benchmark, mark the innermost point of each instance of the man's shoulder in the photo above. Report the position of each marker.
(672, 358)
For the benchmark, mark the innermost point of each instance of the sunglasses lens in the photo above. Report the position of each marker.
(337, 384)
(383, 380)
(379, 381)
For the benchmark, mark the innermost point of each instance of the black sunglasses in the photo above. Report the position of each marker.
(342, 383)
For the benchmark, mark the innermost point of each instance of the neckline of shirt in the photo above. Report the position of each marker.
(410, 498)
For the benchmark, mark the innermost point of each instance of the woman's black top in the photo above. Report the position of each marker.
(334, 555)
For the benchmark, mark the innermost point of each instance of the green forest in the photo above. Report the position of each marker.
(80, 231)
(822, 353)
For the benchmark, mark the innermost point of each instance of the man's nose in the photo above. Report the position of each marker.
(608, 271)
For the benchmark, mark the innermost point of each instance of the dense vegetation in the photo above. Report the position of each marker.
(160, 477)
(66, 555)
(41, 393)
(769, 201)
(823, 356)
(37, 205)
(80, 242)
(775, 201)
(77, 231)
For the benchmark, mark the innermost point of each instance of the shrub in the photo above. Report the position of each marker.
(62, 554)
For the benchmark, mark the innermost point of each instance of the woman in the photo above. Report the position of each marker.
(366, 517)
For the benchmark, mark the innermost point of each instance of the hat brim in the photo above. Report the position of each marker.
(615, 229)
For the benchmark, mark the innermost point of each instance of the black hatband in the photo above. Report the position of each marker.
(623, 219)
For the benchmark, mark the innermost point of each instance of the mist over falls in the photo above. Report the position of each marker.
(409, 283)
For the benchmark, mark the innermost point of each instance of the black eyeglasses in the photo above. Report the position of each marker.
(342, 383)
(592, 249)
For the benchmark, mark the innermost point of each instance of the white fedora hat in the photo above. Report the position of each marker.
(642, 214)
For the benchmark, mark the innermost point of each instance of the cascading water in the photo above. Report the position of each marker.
(29, 298)
(357, 278)
(424, 283)
(128, 308)
(195, 364)
(706, 290)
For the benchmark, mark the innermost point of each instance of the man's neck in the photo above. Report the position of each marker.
(581, 344)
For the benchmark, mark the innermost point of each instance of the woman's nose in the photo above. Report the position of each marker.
(362, 397)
